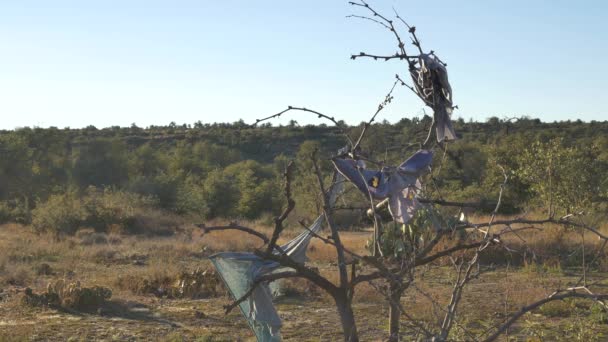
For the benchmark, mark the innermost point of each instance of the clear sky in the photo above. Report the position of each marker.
(117, 62)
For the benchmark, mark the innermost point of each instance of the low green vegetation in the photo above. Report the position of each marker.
(65, 179)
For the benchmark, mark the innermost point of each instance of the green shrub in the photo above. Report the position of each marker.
(190, 198)
(15, 211)
(559, 308)
(98, 209)
(109, 208)
(62, 213)
(161, 186)
(5, 213)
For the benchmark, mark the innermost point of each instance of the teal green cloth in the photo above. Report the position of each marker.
(239, 270)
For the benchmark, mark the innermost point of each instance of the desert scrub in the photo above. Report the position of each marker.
(198, 284)
(61, 214)
(559, 308)
(15, 210)
(99, 209)
(12, 274)
(43, 269)
(185, 284)
(295, 287)
(70, 295)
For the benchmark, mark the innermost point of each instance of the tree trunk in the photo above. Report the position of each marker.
(347, 317)
(394, 313)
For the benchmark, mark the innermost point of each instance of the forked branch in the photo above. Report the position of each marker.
(558, 295)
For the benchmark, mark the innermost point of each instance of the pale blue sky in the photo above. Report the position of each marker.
(76, 63)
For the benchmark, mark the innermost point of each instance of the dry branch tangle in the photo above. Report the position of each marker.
(392, 276)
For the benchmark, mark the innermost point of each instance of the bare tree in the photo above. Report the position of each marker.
(429, 76)
(394, 274)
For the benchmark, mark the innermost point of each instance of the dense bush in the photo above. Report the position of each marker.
(15, 211)
(98, 209)
(194, 284)
(235, 171)
(63, 213)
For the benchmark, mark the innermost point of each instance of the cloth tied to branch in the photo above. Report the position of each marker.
(239, 270)
(431, 82)
(400, 185)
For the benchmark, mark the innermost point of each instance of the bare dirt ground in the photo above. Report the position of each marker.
(133, 313)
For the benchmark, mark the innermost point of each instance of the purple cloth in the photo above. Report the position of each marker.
(431, 82)
(400, 185)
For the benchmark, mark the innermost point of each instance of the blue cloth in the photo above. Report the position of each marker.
(399, 184)
(418, 163)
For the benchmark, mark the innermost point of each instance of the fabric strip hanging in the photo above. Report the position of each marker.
(239, 270)
(400, 185)
(431, 82)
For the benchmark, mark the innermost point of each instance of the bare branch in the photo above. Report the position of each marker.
(328, 219)
(448, 252)
(302, 270)
(598, 253)
(304, 109)
(258, 281)
(385, 57)
(459, 285)
(560, 221)
(411, 88)
(411, 30)
(233, 226)
(387, 99)
(388, 25)
(278, 221)
(457, 204)
(462, 280)
(441, 202)
(558, 295)
(438, 306)
(370, 19)
(330, 242)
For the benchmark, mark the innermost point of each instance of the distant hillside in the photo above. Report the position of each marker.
(233, 170)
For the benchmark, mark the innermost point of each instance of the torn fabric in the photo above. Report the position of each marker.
(399, 185)
(239, 270)
(431, 83)
(296, 248)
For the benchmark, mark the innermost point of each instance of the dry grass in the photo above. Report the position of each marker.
(551, 245)
(136, 267)
(326, 253)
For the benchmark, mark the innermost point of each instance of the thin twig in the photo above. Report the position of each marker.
(233, 226)
(304, 109)
(558, 295)
(387, 99)
(278, 221)
(329, 220)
